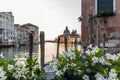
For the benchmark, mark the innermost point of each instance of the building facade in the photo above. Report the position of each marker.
(11, 34)
(70, 36)
(6, 28)
(22, 33)
(100, 23)
(30, 28)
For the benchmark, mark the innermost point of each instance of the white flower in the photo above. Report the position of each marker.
(114, 57)
(69, 54)
(88, 52)
(18, 73)
(118, 55)
(19, 63)
(112, 73)
(95, 59)
(2, 74)
(99, 76)
(101, 60)
(10, 67)
(95, 49)
(107, 63)
(64, 69)
(24, 70)
(86, 77)
(59, 73)
(73, 48)
(108, 56)
(90, 46)
(112, 78)
(82, 51)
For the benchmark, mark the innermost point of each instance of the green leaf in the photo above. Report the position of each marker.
(99, 53)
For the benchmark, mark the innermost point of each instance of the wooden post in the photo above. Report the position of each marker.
(65, 42)
(75, 43)
(30, 45)
(58, 41)
(42, 47)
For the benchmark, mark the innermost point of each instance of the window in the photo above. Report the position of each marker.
(0, 23)
(1, 31)
(0, 40)
(105, 8)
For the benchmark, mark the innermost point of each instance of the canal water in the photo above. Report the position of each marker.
(50, 51)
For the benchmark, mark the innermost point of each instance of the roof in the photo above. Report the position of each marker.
(28, 24)
(16, 25)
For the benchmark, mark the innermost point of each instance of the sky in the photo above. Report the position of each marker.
(51, 16)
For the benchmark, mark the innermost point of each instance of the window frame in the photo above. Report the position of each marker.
(96, 7)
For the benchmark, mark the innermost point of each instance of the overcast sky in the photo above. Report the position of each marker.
(52, 16)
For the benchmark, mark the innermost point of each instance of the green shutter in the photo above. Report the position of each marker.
(105, 5)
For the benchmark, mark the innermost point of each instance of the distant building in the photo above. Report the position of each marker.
(17, 33)
(6, 28)
(30, 28)
(70, 36)
(100, 23)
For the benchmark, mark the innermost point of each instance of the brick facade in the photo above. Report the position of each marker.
(110, 26)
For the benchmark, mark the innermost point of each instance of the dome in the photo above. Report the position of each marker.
(66, 31)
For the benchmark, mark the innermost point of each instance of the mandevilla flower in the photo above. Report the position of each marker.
(2, 74)
(101, 60)
(95, 49)
(59, 73)
(112, 73)
(95, 59)
(10, 67)
(99, 76)
(86, 77)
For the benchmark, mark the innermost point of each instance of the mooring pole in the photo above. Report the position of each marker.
(58, 42)
(42, 47)
(30, 45)
(75, 43)
(65, 42)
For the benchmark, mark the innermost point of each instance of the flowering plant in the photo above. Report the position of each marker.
(17, 70)
(95, 62)
(101, 66)
(90, 65)
(69, 65)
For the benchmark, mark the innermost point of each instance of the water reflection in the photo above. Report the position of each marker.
(10, 52)
(50, 51)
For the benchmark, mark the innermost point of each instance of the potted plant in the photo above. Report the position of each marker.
(105, 13)
(69, 65)
(22, 70)
(92, 65)
(101, 67)
(93, 58)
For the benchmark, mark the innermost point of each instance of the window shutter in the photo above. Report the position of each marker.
(104, 5)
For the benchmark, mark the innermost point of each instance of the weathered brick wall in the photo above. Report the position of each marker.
(112, 25)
